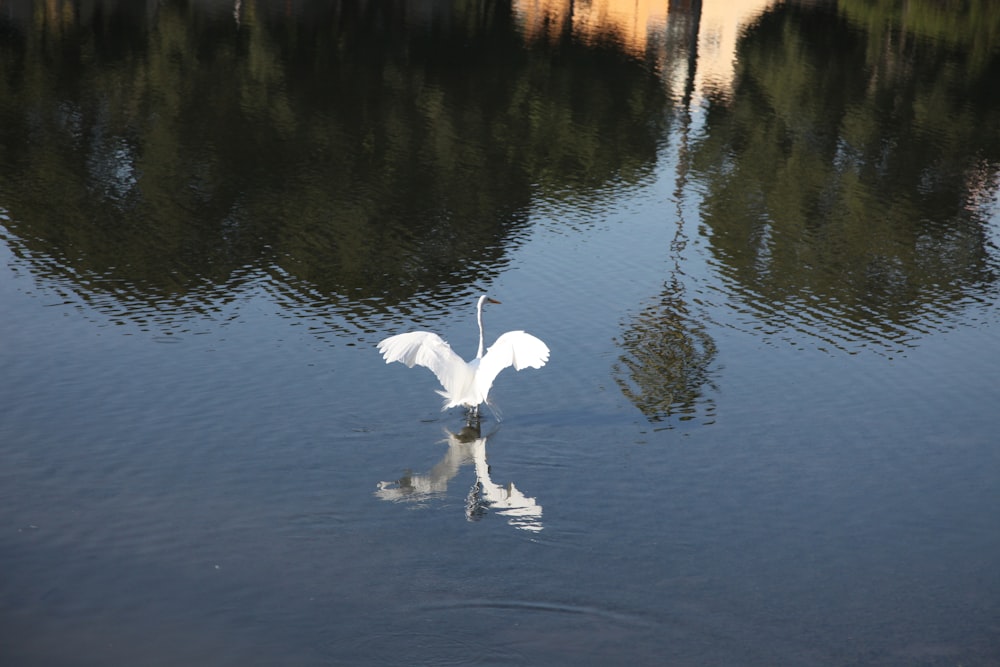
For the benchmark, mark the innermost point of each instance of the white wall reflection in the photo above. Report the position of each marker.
(719, 28)
(466, 447)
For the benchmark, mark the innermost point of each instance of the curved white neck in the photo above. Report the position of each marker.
(479, 318)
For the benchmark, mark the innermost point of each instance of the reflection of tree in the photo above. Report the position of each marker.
(667, 353)
(841, 170)
(353, 151)
(666, 361)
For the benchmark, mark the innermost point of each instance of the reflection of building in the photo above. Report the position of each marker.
(720, 26)
(626, 23)
(641, 29)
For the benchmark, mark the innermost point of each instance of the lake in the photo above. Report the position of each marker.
(759, 238)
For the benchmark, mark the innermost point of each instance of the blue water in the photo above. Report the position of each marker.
(232, 475)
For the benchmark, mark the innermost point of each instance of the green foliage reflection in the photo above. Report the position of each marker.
(353, 152)
(844, 169)
(665, 367)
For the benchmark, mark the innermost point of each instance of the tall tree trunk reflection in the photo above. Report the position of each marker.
(667, 355)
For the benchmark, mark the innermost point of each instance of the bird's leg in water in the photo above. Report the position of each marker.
(472, 416)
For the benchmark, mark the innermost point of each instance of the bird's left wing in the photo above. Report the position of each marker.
(423, 348)
(514, 348)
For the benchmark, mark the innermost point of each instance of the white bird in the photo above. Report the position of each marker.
(466, 383)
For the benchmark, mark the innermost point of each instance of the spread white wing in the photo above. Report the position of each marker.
(423, 348)
(514, 348)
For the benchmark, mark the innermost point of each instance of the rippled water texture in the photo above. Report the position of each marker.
(760, 239)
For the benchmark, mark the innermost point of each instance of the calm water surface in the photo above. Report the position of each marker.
(759, 238)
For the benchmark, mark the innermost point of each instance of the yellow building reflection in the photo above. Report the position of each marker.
(627, 23)
(665, 33)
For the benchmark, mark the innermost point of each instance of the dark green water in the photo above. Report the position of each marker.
(767, 434)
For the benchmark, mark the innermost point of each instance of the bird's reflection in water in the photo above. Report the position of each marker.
(485, 496)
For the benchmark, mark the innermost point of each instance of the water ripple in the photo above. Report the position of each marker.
(520, 607)
(842, 318)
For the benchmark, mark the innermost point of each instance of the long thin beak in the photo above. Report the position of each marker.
(491, 300)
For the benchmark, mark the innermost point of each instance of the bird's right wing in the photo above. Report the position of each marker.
(514, 348)
(423, 348)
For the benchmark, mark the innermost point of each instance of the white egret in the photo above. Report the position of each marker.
(466, 383)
